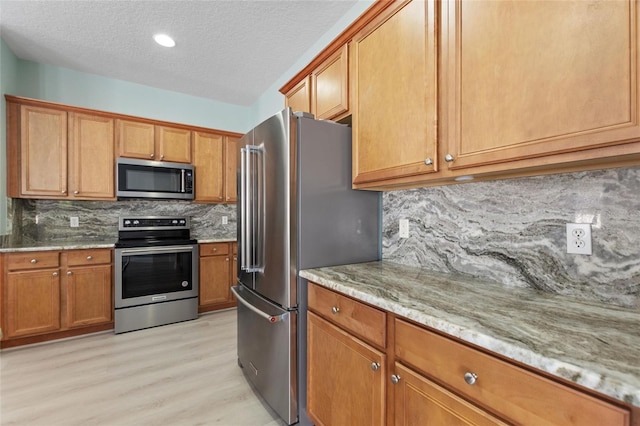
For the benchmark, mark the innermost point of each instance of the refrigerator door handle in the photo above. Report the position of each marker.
(243, 210)
(271, 318)
(252, 208)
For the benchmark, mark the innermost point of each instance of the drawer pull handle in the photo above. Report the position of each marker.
(34, 261)
(89, 257)
(375, 366)
(470, 378)
(395, 379)
(335, 310)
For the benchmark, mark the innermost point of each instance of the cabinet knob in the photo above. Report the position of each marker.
(395, 379)
(448, 158)
(375, 366)
(227, 259)
(235, 258)
(151, 155)
(470, 378)
(69, 273)
(34, 261)
(89, 257)
(76, 192)
(162, 157)
(428, 161)
(55, 274)
(64, 191)
(335, 310)
(215, 249)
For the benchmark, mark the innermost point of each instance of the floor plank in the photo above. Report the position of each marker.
(179, 374)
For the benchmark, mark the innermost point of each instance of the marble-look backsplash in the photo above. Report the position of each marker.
(513, 232)
(48, 220)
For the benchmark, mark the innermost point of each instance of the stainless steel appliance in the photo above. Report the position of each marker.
(296, 210)
(154, 179)
(156, 272)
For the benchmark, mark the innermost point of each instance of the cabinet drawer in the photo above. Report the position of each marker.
(355, 317)
(88, 257)
(214, 249)
(33, 260)
(518, 395)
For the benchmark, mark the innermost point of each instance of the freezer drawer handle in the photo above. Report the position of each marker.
(270, 318)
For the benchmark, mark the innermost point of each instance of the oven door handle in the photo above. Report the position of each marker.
(271, 318)
(155, 250)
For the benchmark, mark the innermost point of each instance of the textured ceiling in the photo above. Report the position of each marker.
(229, 51)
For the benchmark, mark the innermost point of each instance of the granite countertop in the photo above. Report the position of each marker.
(594, 345)
(57, 245)
(85, 244)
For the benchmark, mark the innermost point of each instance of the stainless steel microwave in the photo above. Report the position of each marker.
(154, 179)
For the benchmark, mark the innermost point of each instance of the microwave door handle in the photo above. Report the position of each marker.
(182, 181)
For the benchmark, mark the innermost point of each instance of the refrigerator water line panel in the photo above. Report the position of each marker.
(296, 210)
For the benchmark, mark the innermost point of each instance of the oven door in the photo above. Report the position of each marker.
(147, 275)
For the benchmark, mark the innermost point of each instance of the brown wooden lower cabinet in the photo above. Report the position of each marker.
(419, 401)
(435, 379)
(54, 294)
(217, 274)
(345, 377)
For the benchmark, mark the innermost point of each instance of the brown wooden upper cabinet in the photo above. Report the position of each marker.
(58, 154)
(214, 157)
(149, 141)
(528, 80)
(299, 97)
(325, 92)
(393, 60)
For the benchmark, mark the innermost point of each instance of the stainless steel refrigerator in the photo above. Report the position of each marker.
(296, 210)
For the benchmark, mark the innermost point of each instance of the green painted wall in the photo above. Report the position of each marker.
(8, 84)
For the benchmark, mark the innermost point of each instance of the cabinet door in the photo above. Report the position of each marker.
(234, 268)
(173, 144)
(394, 99)
(91, 157)
(89, 299)
(135, 139)
(345, 377)
(43, 156)
(207, 160)
(419, 401)
(214, 280)
(528, 79)
(33, 302)
(330, 84)
(299, 98)
(230, 165)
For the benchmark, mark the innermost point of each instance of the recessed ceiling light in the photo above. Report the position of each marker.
(164, 40)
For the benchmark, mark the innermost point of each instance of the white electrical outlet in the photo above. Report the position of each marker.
(404, 228)
(579, 238)
(225, 220)
(74, 222)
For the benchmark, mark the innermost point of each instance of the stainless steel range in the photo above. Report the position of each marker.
(156, 272)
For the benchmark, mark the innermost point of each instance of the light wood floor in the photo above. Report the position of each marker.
(179, 374)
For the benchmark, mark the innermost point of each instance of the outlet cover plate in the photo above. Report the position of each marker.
(579, 238)
(74, 222)
(403, 228)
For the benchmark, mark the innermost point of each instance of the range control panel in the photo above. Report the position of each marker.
(153, 223)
